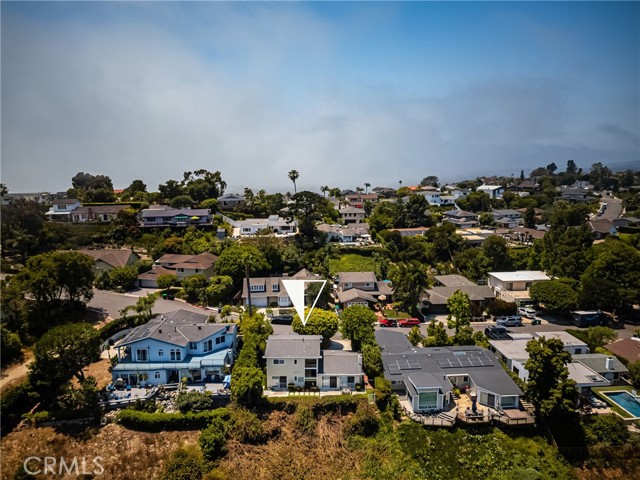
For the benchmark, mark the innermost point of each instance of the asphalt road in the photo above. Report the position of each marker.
(613, 210)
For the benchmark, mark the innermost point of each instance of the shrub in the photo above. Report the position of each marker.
(364, 422)
(14, 402)
(499, 307)
(605, 429)
(194, 402)
(382, 392)
(153, 422)
(186, 463)
(213, 440)
(245, 426)
(305, 419)
(11, 347)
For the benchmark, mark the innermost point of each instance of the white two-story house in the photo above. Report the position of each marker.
(61, 209)
(174, 346)
(514, 286)
(299, 361)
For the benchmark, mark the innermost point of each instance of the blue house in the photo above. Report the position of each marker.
(174, 346)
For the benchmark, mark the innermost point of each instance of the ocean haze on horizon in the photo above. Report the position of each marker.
(345, 94)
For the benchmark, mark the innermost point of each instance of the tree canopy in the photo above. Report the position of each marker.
(356, 324)
(459, 308)
(558, 295)
(320, 322)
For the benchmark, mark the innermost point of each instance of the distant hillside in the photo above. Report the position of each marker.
(621, 166)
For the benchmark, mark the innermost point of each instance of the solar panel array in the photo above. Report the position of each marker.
(465, 362)
(397, 366)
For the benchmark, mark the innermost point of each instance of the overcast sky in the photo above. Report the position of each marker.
(345, 93)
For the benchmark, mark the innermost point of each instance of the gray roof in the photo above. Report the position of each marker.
(293, 346)
(98, 209)
(356, 277)
(460, 214)
(454, 280)
(173, 212)
(598, 363)
(478, 363)
(177, 328)
(506, 212)
(392, 342)
(64, 201)
(424, 379)
(337, 362)
(440, 295)
(354, 294)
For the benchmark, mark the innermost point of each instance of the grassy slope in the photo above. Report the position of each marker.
(351, 262)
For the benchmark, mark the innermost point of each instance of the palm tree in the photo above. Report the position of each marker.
(324, 189)
(359, 189)
(366, 186)
(293, 176)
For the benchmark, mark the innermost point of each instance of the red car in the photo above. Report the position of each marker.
(409, 322)
(388, 322)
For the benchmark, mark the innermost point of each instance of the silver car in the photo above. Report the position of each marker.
(527, 312)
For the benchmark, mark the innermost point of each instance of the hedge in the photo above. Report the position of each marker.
(153, 422)
(14, 402)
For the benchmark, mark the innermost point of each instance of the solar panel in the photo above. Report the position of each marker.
(413, 363)
(444, 363)
(475, 361)
(455, 362)
(393, 368)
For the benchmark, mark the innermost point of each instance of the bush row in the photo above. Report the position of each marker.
(320, 405)
(154, 422)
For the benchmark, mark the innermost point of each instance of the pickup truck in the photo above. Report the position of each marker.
(409, 322)
(388, 322)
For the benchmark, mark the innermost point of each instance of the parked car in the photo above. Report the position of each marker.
(282, 320)
(527, 312)
(409, 322)
(388, 322)
(496, 332)
(509, 321)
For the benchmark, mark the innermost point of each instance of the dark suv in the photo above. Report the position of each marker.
(282, 320)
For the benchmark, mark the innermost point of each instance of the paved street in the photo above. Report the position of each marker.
(613, 210)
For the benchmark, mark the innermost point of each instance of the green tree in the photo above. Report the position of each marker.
(598, 337)
(195, 287)
(320, 322)
(414, 336)
(185, 463)
(612, 280)
(324, 189)
(410, 280)
(557, 296)
(571, 166)
(530, 218)
(436, 335)
(293, 176)
(246, 388)
(119, 277)
(10, 346)
(182, 201)
(62, 353)
(475, 202)
(548, 386)
(634, 373)
(213, 440)
(357, 325)
(219, 289)
(143, 307)
(372, 360)
(497, 252)
(307, 209)
(459, 308)
(472, 263)
(171, 189)
(167, 280)
(236, 259)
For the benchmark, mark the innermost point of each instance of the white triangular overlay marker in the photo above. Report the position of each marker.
(295, 289)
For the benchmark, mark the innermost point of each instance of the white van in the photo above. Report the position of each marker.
(527, 312)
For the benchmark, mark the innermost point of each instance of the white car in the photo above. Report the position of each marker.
(527, 312)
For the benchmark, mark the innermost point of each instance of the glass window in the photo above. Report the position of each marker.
(193, 345)
(160, 352)
(278, 361)
(208, 345)
(157, 375)
(508, 402)
(141, 355)
(428, 401)
(175, 354)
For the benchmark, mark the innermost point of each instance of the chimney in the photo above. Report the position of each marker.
(199, 327)
(609, 363)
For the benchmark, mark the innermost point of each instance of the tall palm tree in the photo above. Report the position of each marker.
(293, 176)
(366, 186)
(359, 189)
(324, 189)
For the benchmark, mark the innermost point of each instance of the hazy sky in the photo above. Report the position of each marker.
(345, 93)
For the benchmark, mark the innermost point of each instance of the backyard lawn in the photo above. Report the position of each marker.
(351, 262)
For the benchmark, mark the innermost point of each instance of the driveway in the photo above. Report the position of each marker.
(613, 210)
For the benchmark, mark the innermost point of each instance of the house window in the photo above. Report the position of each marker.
(257, 288)
(157, 375)
(278, 361)
(193, 346)
(208, 345)
(295, 362)
(578, 351)
(160, 353)
(275, 287)
(176, 355)
(428, 401)
(141, 355)
(220, 340)
(181, 269)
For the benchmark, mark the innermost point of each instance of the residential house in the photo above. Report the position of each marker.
(521, 234)
(107, 260)
(527, 185)
(411, 232)
(448, 200)
(605, 365)
(360, 288)
(164, 216)
(273, 223)
(507, 218)
(358, 200)
(602, 227)
(230, 201)
(355, 232)
(174, 346)
(494, 191)
(149, 279)
(98, 213)
(61, 209)
(428, 375)
(514, 286)
(435, 299)
(461, 218)
(626, 222)
(38, 197)
(266, 291)
(352, 215)
(384, 191)
(475, 236)
(298, 360)
(626, 348)
(184, 266)
(433, 197)
(579, 195)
